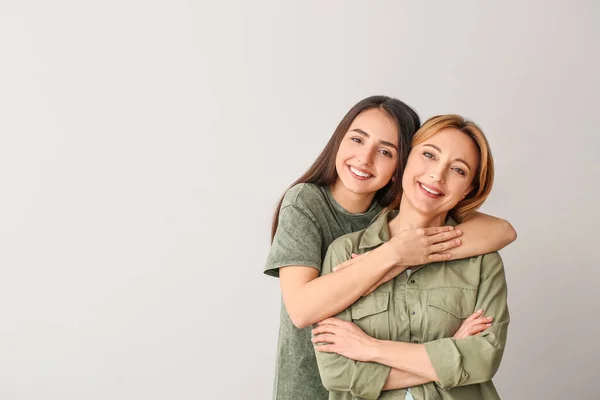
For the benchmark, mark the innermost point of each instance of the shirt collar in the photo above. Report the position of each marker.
(378, 232)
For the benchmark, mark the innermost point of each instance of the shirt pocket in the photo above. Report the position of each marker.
(447, 308)
(370, 313)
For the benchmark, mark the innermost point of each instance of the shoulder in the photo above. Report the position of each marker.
(492, 258)
(489, 259)
(302, 202)
(490, 265)
(305, 196)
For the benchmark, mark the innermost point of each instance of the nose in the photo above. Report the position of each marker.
(366, 157)
(437, 174)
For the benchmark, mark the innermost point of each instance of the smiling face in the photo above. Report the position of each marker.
(440, 172)
(368, 154)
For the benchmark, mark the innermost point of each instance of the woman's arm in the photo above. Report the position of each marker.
(474, 324)
(310, 298)
(399, 379)
(348, 347)
(483, 234)
(452, 362)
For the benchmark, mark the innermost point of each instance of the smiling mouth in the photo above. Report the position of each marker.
(359, 173)
(430, 191)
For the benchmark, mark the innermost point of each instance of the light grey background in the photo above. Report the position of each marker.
(144, 145)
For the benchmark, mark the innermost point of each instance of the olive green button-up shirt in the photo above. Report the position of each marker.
(428, 307)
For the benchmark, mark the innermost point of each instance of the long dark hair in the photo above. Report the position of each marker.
(323, 171)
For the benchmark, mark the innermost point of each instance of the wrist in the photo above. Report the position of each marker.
(373, 350)
(391, 257)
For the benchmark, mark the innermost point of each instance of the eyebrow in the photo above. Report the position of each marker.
(381, 141)
(456, 159)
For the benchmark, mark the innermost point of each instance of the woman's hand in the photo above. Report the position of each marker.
(423, 245)
(343, 338)
(474, 324)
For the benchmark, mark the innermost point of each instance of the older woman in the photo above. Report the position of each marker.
(396, 342)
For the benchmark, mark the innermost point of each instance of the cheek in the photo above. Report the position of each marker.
(340, 156)
(411, 171)
(459, 189)
(343, 153)
(407, 178)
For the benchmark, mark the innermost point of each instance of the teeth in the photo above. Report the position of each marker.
(357, 172)
(429, 190)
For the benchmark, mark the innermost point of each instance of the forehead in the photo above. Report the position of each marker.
(455, 144)
(377, 123)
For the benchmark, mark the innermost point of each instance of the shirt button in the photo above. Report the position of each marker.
(412, 281)
(413, 313)
(415, 341)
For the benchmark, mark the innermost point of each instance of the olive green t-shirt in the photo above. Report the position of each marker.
(309, 220)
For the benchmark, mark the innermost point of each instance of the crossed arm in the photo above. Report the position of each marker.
(352, 361)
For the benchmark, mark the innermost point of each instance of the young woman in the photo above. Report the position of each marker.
(411, 318)
(357, 174)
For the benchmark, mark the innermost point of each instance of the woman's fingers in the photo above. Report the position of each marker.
(332, 321)
(474, 324)
(444, 246)
(476, 314)
(324, 329)
(437, 251)
(475, 329)
(324, 338)
(437, 257)
(444, 236)
(326, 348)
(434, 230)
(481, 321)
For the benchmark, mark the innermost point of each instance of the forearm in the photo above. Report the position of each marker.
(482, 234)
(408, 357)
(400, 379)
(328, 295)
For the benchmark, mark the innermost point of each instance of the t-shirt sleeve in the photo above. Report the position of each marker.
(298, 241)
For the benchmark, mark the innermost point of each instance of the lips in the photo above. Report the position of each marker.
(359, 173)
(430, 191)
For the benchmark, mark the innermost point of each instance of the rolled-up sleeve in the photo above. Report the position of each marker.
(476, 359)
(338, 373)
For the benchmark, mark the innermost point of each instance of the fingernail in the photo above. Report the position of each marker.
(458, 231)
(478, 311)
(490, 318)
(488, 324)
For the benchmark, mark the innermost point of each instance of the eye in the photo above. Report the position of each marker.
(429, 155)
(459, 171)
(356, 139)
(386, 153)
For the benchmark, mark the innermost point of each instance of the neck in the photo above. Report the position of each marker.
(410, 218)
(354, 203)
